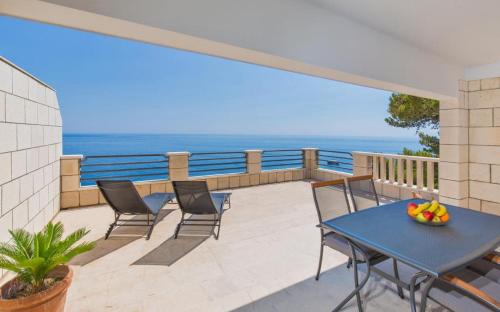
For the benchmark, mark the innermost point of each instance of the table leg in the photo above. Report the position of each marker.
(413, 305)
(358, 286)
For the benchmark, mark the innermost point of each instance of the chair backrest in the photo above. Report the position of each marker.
(330, 198)
(362, 191)
(194, 197)
(122, 196)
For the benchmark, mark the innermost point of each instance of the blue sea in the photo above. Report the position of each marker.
(153, 167)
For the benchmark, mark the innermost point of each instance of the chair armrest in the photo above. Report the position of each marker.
(474, 291)
(493, 257)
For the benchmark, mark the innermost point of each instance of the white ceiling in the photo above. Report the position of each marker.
(465, 31)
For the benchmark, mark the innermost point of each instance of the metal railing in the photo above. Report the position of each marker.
(335, 160)
(136, 167)
(282, 159)
(209, 163)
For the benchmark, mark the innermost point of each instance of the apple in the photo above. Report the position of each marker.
(428, 215)
(421, 218)
(411, 205)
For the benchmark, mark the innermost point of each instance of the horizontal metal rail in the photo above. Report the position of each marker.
(336, 160)
(279, 158)
(124, 156)
(217, 162)
(125, 163)
(123, 176)
(119, 170)
(103, 167)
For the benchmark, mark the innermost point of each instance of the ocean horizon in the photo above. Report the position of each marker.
(127, 143)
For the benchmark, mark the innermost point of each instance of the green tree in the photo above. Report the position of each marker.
(408, 111)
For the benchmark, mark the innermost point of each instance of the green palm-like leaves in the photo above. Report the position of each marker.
(33, 256)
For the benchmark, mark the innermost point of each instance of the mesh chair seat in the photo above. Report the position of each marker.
(458, 300)
(487, 269)
(339, 243)
(156, 201)
(219, 201)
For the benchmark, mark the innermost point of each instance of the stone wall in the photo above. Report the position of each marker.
(30, 148)
(483, 99)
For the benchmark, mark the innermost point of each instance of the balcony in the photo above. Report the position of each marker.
(264, 260)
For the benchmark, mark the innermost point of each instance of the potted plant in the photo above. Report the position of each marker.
(39, 260)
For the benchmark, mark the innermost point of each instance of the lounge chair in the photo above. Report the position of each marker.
(194, 198)
(124, 199)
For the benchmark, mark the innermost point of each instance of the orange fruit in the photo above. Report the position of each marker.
(410, 211)
(445, 217)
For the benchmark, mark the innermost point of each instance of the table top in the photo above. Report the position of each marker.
(436, 250)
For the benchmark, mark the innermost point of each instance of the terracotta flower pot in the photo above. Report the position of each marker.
(49, 300)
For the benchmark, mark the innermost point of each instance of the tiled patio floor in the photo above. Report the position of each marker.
(265, 260)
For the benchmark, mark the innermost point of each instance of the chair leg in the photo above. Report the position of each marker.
(349, 263)
(111, 226)
(155, 220)
(396, 275)
(320, 261)
(177, 229)
(356, 284)
(218, 228)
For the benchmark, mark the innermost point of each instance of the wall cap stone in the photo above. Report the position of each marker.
(6, 61)
(72, 157)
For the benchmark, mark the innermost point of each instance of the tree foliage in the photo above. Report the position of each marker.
(408, 111)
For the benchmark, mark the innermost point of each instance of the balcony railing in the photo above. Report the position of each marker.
(216, 163)
(412, 171)
(282, 158)
(335, 160)
(133, 167)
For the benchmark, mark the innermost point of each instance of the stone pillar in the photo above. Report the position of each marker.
(310, 159)
(484, 144)
(178, 166)
(362, 164)
(254, 161)
(453, 150)
(70, 180)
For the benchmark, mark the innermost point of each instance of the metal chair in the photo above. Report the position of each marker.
(124, 199)
(194, 198)
(474, 288)
(364, 195)
(330, 198)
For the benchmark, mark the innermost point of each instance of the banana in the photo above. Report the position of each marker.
(421, 208)
(442, 211)
(434, 206)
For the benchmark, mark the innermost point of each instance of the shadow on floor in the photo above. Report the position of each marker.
(171, 250)
(334, 285)
(120, 237)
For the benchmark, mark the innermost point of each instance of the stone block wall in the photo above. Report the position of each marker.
(30, 148)
(483, 99)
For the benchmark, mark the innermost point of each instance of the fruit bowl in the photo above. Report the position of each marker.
(429, 213)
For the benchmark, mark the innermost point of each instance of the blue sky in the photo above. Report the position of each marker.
(111, 85)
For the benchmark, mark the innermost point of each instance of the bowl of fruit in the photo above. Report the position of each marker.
(429, 213)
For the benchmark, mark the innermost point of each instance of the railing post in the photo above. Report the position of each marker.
(70, 180)
(254, 161)
(362, 164)
(178, 166)
(430, 175)
(310, 160)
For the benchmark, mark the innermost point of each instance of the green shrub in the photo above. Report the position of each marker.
(33, 256)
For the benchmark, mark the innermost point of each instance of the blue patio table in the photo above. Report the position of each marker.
(433, 250)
